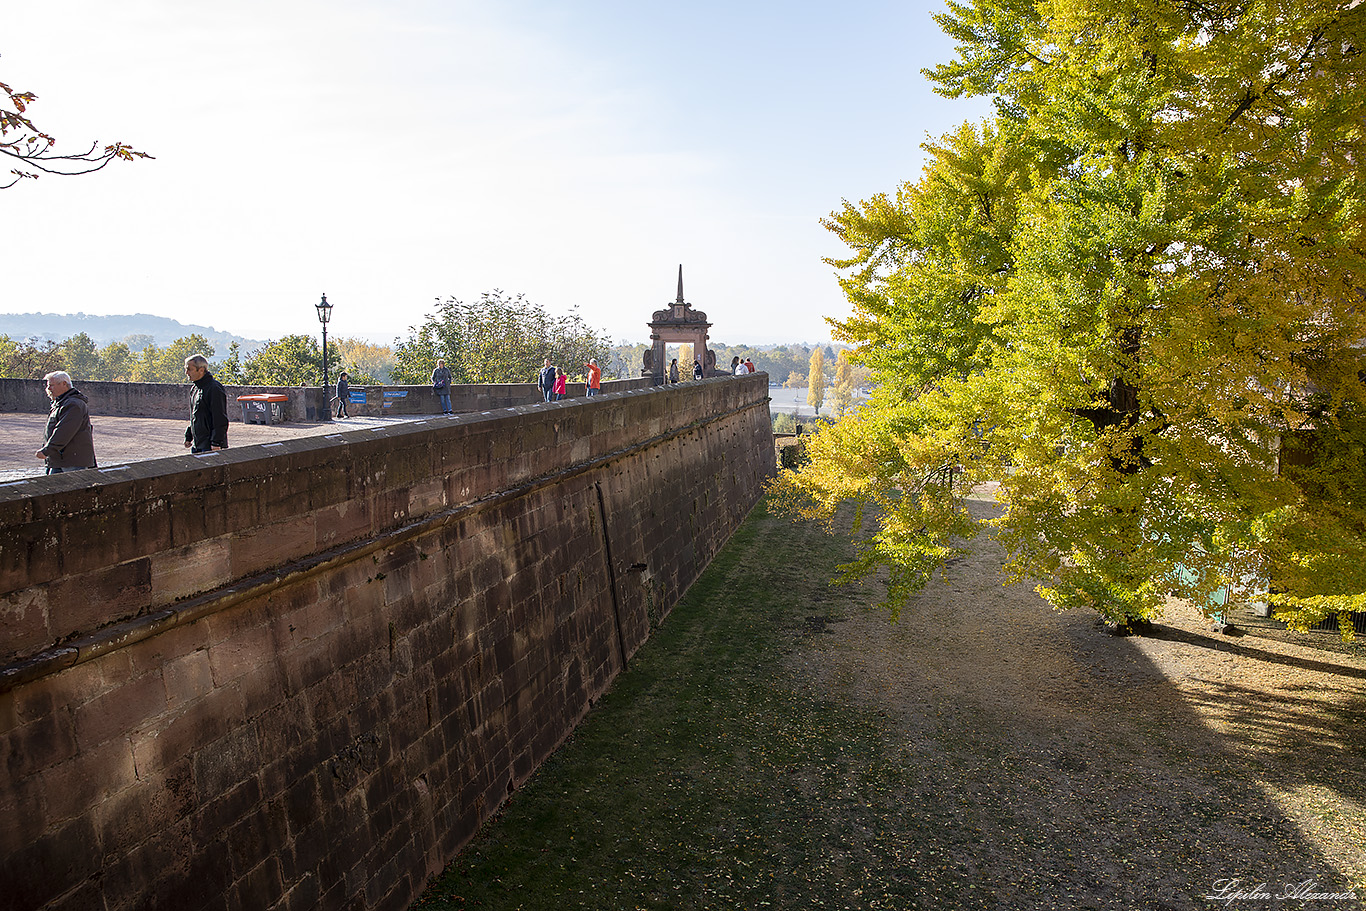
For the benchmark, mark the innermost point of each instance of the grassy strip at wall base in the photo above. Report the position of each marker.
(692, 783)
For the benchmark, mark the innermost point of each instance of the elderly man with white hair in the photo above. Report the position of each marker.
(70, 442)
(208, 428)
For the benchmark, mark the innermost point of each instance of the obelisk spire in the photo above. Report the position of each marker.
(680, 284)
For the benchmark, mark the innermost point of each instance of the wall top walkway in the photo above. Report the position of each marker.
(107, 544)
(237, 460)
(304, 403)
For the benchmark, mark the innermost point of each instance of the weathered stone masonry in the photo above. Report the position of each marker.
(306, 403)
(300, 676)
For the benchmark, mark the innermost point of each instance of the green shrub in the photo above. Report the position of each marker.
(793, 455)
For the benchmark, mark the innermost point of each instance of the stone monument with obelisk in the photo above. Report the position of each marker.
(682, 324)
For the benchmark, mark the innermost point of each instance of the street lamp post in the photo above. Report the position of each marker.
(324, 315)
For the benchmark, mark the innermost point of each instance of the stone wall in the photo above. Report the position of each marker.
(301, 675)
(465, 399)
(157, 400)
(306, 403)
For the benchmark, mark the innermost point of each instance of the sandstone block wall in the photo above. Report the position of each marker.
(301, 675)
(156, 400)
(306, 403)
(385, 400)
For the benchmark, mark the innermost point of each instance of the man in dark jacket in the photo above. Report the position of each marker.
(343, 393)
(69, 443)
(208, 408)
(547, 381)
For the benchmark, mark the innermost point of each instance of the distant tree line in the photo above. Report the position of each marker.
(501, 338)
(136, 359)
(133, 329)
(790, 365)
(291, 361)
(780, 362)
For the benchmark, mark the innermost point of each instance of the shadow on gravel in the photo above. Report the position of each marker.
(1057, 766)
(1222, 644)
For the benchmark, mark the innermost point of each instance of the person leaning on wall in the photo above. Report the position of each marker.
(441, 382)
(594, 376)
(69, 442)
(208, 408)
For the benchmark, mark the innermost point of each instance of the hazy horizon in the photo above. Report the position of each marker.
(391, 154)
(67, 331)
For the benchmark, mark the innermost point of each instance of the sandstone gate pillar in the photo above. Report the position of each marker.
(679, 323)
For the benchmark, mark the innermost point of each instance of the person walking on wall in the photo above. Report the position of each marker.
(561, 384)
(547, 381)
(441, 382)
(343, 393)
(673, 371)
(208, 408)
(696, 369)
(69, 442)
(594, 376)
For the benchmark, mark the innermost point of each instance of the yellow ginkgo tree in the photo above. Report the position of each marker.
(1134, 298)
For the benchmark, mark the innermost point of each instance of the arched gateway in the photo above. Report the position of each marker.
(680, 323)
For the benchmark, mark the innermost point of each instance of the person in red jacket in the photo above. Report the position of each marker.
(594, 376)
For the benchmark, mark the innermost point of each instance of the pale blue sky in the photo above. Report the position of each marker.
(388, 153)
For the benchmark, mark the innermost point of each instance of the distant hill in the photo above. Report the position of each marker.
(107, 329)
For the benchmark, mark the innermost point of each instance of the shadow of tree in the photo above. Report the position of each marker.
(1306, 731)
(1222, 644)
(1065, 767)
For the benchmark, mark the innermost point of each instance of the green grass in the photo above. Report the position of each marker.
(707, 777)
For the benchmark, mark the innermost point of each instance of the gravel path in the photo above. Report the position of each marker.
(1076, 769)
